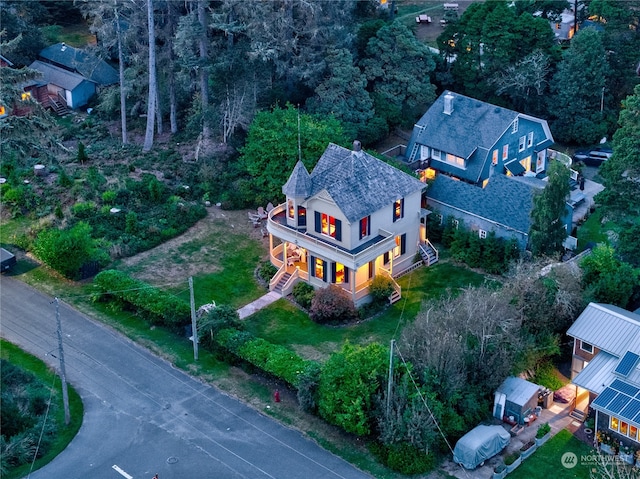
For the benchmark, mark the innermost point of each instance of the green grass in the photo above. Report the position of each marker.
(546, 461)
(283, 323)
(591, 231)
(45, 375)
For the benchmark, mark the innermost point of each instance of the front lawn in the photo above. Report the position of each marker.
(546, 461)
(283, 323)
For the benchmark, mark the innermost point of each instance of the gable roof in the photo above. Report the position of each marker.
(505, 200)
(58, 76)
(609, 328)
(76, 60)
(471, 124)
(359, 183)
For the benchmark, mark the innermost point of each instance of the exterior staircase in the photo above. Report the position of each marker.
(428, 253)
(395, 296)
(283, 280)
(58, 106)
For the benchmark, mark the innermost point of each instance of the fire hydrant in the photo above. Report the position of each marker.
(276, 396)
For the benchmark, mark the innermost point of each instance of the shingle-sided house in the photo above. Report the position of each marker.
(352, 218)
(467, 138)
(78, 61)
(606, 363)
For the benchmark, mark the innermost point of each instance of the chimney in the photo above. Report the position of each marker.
(448, 104)
(357, 146)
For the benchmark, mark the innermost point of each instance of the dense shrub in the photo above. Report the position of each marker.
(403, 458)
(219, 318)
(303, 294)
(156, 305)
(266, 271)
(67, 251)
(381, 288)
(332, 305)
(492, 254)
(308, 382)
(271, 358)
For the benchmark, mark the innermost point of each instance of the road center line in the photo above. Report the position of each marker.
(121, 472)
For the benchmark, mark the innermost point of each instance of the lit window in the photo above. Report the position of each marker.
(482, 234)
(614, 423)
(319, 268)
(291, 209)
(400, 247)
(505, 152)
(456, 160)
(3, 110)
(521, 143)
(365, 227)
(26, 95)
(526, 163)
(494, 157)
(328, 225)
(530, 140)
(624, 428)
(302, 216)
(586, 347)
(396, 249)
(435, 154)
(514, 129)
(340, 276)
(633, 433)
(398, 209)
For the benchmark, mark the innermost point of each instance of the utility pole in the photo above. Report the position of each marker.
(63, 374)
(193, 320)
(390, 382)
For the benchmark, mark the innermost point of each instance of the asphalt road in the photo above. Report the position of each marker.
(144, 417)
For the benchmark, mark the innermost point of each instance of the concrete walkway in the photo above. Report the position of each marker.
(258, 304)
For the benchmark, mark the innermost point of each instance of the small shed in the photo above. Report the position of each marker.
(515, 399)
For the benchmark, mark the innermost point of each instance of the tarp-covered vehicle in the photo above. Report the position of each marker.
(480, 444)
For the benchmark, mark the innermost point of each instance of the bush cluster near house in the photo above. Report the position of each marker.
(492, 254)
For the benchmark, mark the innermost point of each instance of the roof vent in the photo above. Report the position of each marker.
(64, 46)
(357, 146)
(448, 104)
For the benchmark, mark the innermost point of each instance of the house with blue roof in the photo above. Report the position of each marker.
(606, 366)
(350, 219)
(81, 62)
(470, 140)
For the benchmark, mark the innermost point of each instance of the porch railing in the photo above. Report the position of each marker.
(396, 287)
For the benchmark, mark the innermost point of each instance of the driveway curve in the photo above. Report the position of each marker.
(144, 417)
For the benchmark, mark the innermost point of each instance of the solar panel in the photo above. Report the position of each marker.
(619, 403)
(637, 418)
(624, 387)
(605, 397)
(631, 410)
(627, 363)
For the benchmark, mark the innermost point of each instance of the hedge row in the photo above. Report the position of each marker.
(158, 306)
(271, 358)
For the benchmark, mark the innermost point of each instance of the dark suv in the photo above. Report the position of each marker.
(594, 156)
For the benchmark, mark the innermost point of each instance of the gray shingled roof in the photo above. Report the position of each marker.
(471, 124)
(86, 64)
(504, 200)
(359, 183)
(299, 183)
(58, 76)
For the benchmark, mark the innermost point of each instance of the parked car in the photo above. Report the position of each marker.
(594, 156)
(7, 260)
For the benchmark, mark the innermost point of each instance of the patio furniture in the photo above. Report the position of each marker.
(262, 214)
(269, 206)
(254, 218)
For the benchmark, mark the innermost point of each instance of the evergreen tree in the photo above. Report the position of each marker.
(397, 67)
(548, 231)
(575, 104)
(343, 95)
